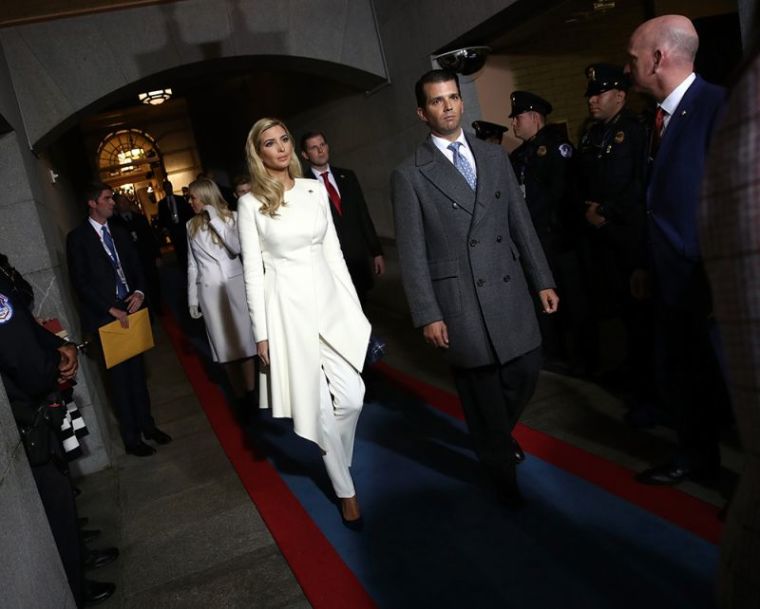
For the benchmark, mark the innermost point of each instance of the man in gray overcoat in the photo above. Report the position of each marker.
(471, 264)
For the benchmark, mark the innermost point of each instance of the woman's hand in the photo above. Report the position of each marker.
(262, 347)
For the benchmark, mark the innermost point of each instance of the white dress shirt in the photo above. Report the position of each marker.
(443, 145)
(670, 103)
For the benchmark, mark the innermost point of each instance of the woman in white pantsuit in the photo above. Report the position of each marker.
(306, 317)
(216, 289)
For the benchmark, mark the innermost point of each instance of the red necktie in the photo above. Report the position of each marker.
(332, 193)
(659, 125)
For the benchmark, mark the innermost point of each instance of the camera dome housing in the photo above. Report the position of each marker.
(465, 61)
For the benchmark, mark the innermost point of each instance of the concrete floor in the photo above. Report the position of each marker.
(191, 538)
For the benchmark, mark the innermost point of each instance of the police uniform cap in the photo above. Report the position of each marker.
(524, 101)
(484, 129)
(605, 77)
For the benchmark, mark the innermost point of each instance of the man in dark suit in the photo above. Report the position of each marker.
(470, 260)
(662, 52)
(173, 213)
(132, 220)
(105, 272)
(356, 232)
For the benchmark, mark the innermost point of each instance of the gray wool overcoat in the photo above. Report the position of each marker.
(471, 259)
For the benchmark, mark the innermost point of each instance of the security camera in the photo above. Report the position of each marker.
(464, 61)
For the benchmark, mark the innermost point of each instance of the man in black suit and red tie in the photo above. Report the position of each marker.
(105, 271)
(356, 232)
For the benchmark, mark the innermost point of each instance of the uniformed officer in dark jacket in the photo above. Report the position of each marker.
(32, 362)
(544, 167)
(612, 158)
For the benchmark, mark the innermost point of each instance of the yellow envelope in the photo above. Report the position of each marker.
(119, 344)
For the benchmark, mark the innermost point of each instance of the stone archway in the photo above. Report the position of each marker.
(67, 68)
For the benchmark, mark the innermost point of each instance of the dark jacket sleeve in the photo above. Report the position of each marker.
(29, 357)
(368, 227)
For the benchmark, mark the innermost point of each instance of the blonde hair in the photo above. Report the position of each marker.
(208, 193)
(269, 191)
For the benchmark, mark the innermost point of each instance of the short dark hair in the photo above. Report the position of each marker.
(308, 135)
(241, 179)
(431, 77)
(92, 191)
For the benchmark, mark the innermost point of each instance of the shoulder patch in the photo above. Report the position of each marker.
(6, 309)
(566, 150)
(619, 137)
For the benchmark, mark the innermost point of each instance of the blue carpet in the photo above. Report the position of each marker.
(435, 535)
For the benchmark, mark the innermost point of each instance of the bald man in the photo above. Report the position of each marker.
(661, 63)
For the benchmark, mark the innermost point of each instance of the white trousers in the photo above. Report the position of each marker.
(341, 397)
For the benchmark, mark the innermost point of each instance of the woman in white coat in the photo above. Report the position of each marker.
(216, 290)
(309, 327)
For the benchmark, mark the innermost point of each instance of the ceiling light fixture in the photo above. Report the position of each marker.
(155, 98)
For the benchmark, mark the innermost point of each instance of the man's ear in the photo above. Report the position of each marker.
(91, 204)
(421, 115)
(657, 60)
(304, 156)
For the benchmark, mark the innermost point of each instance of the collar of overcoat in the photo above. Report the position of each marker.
(443, 176)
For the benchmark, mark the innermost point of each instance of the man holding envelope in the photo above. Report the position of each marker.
(105, 272)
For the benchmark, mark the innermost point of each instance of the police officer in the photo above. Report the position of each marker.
(32, 362)
(612, 158)
(544, 167)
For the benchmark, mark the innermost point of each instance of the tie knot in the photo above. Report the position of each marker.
(454, 146)
(325, 174)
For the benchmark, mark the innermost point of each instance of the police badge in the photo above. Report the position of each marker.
(619, 137)
(541, 151)
(6, 309)
(566, 150)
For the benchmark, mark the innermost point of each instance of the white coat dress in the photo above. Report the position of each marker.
(299, 290)
(215, 283)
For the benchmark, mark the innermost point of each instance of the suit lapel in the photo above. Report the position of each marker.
(481, 154)
(444, 176)
(679, 120)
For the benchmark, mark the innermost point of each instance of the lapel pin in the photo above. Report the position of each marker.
(683, 112)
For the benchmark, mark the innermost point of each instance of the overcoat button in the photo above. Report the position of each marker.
(498, 238)
(497, 194)
(473, 242)
(481, 283)
(454, 205)
(507, 278)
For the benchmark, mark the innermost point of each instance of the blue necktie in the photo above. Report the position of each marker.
(121, 288)
(463, 165)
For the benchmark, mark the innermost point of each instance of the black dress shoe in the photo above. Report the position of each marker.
(141, 449)
(158, 436)
(663, 475)
(518, 452)
(96, 592)
(88, 535)
(94, 559)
